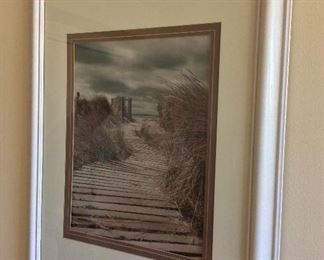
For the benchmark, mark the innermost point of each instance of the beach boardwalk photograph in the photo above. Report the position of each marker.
(139, 143)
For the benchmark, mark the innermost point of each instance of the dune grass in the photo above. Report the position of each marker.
(98, 135)
(183, 114)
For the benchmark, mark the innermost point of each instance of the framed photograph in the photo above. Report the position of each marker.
(141, 140)
(132, 173)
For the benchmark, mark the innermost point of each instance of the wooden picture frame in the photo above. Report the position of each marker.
(175, 33)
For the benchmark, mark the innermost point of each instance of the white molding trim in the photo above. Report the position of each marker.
(35, 206)
(269, 129)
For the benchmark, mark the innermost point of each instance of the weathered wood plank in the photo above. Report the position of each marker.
(111, 183)
(127, 208)
(88, 189)
(121, 200)
(107, 180)
(150, 163)
(120, 168)
(110, 214)
(141, 236)
(141, 185)
(144, 166)
(130, 225)
(118, 173)
(169, 247)
(116, 188)
(124, 177)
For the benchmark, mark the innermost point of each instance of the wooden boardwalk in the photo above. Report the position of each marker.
(123, 200)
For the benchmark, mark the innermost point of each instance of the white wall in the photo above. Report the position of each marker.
(235, 104)
(303, 212)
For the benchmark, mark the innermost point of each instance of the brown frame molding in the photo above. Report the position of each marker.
(211, 29)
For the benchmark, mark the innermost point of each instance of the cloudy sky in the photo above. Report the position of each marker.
(138, 68)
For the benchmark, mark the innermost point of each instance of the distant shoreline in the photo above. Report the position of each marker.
(141, 115)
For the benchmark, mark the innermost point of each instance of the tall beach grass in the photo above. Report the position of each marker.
(183, 114)
(97, 132)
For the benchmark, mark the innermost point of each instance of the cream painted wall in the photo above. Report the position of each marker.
(234, 122)
(303, 211)
(15, 90)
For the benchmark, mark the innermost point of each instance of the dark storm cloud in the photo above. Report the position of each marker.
(161, 60)
(201, 57)
(138, 68)
(89, 53)
(148, 91)
(155, 54)
(102, 84)
(144, 97)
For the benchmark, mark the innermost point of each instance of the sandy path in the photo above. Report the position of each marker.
(123, 200)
